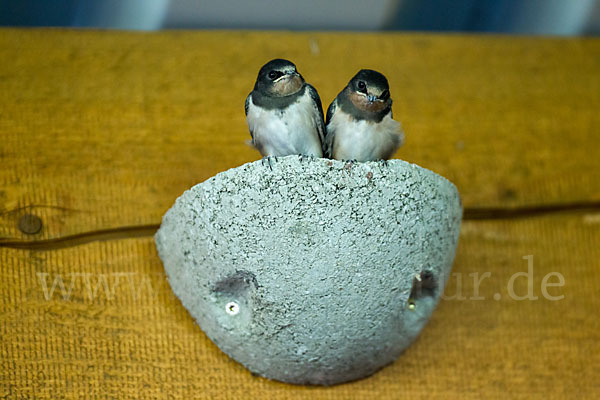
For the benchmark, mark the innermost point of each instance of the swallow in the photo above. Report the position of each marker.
(360, 126)
(284, 113)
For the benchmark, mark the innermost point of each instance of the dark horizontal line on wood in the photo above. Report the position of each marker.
(492, 213)
(128, 232)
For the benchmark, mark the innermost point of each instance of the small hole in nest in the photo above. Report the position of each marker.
(424, 284)
(232, 308)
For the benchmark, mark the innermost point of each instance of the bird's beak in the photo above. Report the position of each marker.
(371, 98)
(291, 74)
(287, 75)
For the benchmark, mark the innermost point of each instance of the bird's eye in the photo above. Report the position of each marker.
(273, 74)
(385, 95)
(362, 85)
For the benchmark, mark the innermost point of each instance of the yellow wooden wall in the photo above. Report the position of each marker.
(101, 131)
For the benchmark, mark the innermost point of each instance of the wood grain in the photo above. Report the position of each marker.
(103, 130)
(132, 338)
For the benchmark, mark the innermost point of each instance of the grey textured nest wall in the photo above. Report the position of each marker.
(312, 271)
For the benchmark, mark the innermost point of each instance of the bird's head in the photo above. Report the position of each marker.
(279, 78)
(369, 91)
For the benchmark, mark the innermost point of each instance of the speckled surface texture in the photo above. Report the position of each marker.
(303, 271)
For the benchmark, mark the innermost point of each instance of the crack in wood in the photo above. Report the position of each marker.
(126, 232)
(491, 213)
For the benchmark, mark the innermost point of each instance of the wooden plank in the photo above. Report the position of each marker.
(103, 130)
(133, 339)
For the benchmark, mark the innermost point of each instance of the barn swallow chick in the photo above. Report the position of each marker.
(359, 121)
(284, 113)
